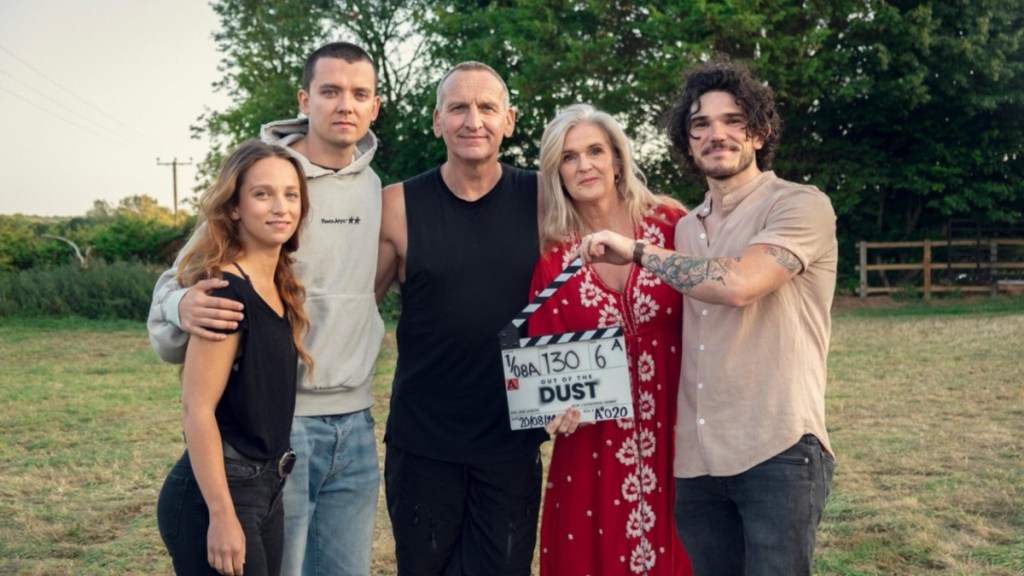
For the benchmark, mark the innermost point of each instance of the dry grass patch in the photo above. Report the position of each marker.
(925, 413)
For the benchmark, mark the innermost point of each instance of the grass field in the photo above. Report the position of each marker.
(926, 412)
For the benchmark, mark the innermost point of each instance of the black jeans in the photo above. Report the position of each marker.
(456, 519)
(760, 522)
(184, 519)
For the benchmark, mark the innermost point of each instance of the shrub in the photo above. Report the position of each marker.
(120, 290)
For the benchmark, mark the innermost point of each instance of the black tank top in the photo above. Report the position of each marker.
(467, 273)
(255, 413)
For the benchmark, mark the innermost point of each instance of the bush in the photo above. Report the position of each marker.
(121, 290)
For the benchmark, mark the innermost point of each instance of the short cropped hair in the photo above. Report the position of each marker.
(467, 66)
(341, 50)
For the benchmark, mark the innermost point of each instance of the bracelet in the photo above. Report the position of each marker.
(638, 251)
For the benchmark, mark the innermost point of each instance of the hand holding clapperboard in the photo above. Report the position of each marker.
(546, 375)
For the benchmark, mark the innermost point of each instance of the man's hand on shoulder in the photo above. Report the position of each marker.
(200, 313)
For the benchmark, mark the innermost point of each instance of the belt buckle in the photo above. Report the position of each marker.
(286, 463)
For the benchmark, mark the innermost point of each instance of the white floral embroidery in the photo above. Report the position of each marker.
(648, 479)
(634, 524)
(647, 517)
(646, 278)
(645, 366)
(631, 487)
(646, 402)
(590, 294)
(569, 255)
(610, 316)
(653, 234)
(645, 308)
(625, 423)
(647, 443)
(627, 453)
(643, 558)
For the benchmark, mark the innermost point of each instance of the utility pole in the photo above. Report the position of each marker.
(174, 171)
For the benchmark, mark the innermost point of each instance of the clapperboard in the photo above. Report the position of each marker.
(545, 375)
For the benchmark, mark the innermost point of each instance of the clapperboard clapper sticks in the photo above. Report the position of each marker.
(545, 375)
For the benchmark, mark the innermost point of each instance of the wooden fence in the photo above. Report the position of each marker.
(996, 275)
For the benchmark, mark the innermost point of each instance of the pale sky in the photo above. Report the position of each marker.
(92, 92)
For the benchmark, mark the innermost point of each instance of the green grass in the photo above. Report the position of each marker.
(925, 409)
(948, 305)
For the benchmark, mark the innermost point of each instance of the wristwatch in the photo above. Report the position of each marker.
(638, 251)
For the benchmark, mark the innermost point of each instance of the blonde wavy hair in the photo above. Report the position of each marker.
(560, 219)
(217, 240)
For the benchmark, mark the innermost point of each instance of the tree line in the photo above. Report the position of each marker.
(136, 229)
(908, 114)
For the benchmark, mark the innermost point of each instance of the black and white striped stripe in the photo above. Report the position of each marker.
(510, 334)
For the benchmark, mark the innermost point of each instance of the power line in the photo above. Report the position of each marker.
(71, 122)
(73, 112)
(72, 94)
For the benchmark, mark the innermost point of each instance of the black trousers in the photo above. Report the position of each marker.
(452, 519)
(183, 517)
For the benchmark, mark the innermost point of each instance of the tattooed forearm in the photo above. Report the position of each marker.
(685, 273)
(784, 258)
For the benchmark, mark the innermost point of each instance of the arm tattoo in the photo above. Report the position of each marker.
(685, 273)
(784, 258)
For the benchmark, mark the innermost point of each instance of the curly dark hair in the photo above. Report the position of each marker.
(755, 98)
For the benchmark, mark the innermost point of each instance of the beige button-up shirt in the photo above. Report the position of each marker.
(753, 378)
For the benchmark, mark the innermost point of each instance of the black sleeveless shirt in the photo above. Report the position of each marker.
(255, 413)
(467, 273)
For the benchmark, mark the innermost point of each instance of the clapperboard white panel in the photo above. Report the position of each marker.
(545, 375)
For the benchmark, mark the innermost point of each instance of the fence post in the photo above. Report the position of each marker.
(926, 269)
(993, 260)
(863, 246)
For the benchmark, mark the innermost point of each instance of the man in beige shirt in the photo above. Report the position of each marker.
(757, 262)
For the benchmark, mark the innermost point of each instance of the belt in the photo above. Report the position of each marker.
(284, 464)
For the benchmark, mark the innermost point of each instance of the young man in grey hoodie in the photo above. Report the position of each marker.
(331, 496)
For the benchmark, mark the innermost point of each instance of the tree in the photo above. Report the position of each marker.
(391, 32)
(265, 44)
(82, 257)
(921, 119)
(906, 112)
(138, 228)
(622, 57)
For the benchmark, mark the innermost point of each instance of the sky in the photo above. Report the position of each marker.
(93, 92)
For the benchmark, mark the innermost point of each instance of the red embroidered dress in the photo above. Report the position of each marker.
(609, 496)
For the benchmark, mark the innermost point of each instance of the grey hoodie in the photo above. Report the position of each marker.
(336, 261)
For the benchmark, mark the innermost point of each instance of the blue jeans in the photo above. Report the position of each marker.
(330, 501)
(184, 519)
(759, 522)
